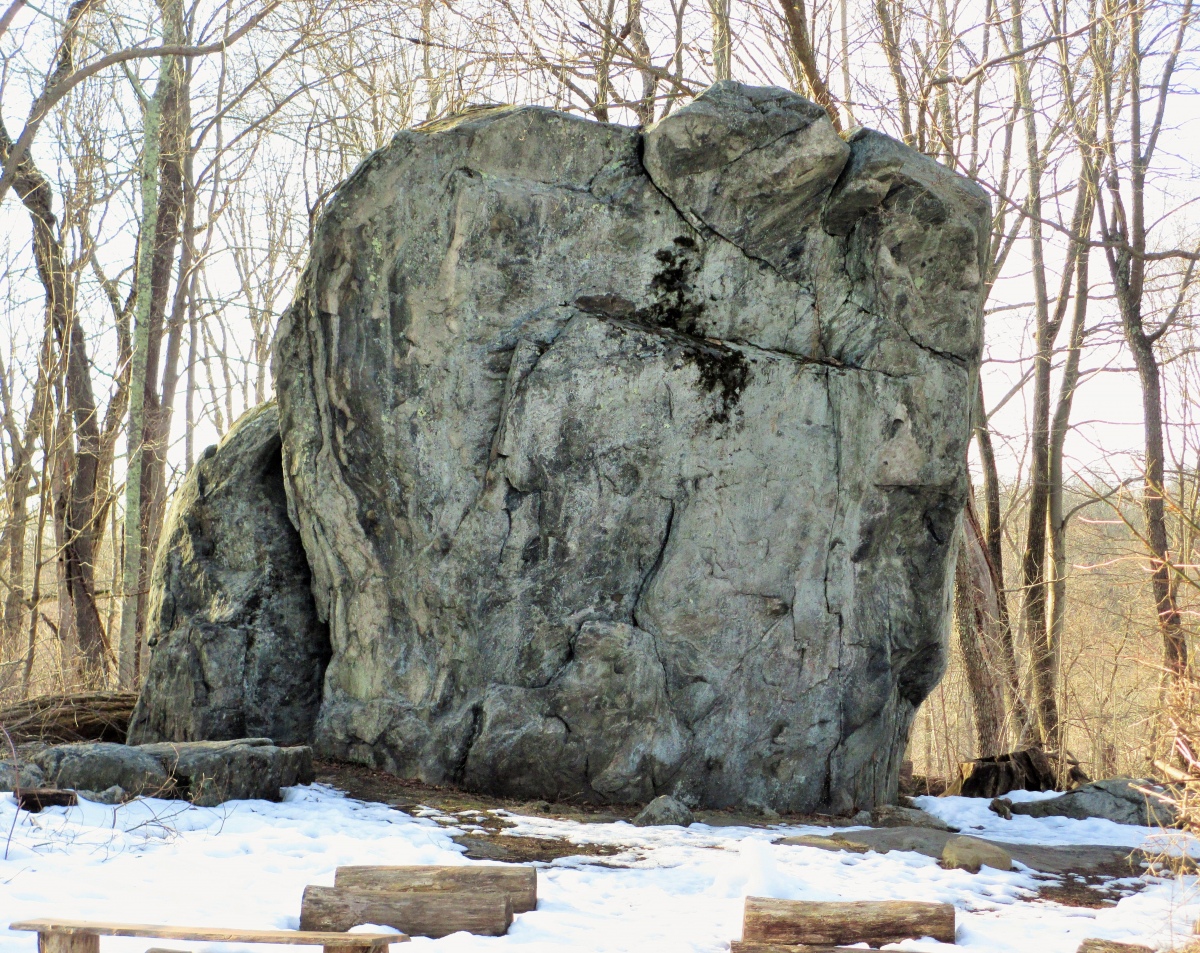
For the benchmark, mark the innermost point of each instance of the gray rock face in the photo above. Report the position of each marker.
(24, 775)
(236, 645)
(621, 477)
(99, 765)
(1115, 800)
(664, 809)
(204, 772)
(211, 772)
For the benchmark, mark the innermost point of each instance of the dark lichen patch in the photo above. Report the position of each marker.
(721, 367)
(676, 313)
(672, 289)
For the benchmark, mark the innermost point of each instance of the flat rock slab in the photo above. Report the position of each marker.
(1083, 859)
(205, 772)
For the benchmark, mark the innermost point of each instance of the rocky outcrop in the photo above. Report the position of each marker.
(631, 463)
(1122, 800)
(236, 645)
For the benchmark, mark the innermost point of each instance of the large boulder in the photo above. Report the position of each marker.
(631, 463)
(237, 648)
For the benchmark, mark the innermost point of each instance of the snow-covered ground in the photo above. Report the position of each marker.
(245, 864)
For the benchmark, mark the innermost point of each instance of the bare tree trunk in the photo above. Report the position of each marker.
(800, 41)
(993, 539)
(165, 146)
(1125, 232)
(722, 52)
(637, 39)
(976, 617)
(78, 497)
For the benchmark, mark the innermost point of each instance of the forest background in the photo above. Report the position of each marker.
(164, 164)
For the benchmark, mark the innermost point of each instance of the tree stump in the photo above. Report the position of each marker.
(1026, 770)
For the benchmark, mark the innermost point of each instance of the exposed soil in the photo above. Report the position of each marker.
(372, 784)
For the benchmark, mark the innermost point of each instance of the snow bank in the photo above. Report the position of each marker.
(246, 864)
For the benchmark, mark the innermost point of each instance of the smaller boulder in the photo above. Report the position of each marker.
(664, 810)
(890, 815)
(26, 775)
(212, 772)
(1117, 799)
(971, 853)
(97, 766)
(1002, 806)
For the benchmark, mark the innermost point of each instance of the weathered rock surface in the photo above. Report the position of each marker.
(621, 477)
(98, 765)
(1115, 800)
(664, 809)
(210, 772)
(891, 815)
(23, 775)
(972, 853)
(204, 772)
(236, 645)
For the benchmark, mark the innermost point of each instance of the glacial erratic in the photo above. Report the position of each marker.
(630, 464)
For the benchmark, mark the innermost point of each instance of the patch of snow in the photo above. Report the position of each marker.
(245, 864)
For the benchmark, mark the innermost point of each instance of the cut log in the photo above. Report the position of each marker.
(417, 914)
(34, 799)
(519, 884)
(744, 946)
(1110, 946)
(814, 924)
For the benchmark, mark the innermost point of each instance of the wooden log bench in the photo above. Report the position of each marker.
(784, 923)
(419, 913)
(519, 884)
(83, 936)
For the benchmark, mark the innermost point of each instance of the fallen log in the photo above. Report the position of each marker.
(1110, 946)
(519, 884)
(814, 924)
(62, 719)
(417, 914)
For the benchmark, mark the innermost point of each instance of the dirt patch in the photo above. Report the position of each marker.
(1092, 892)
(512, 849)
(372, 784)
